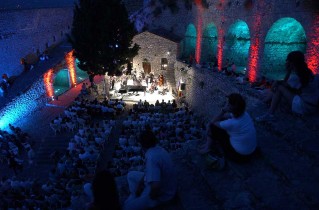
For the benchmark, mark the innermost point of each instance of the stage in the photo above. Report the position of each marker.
(136, 96)
(132, 90)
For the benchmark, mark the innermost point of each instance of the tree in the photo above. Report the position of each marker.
(101, 36)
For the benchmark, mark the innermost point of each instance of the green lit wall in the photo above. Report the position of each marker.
(237, 43)
(284, 36)
(80, 74)
(61, 82)
(189, 42)
(209, 43)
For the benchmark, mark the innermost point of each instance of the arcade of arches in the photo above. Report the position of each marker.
(284, 36)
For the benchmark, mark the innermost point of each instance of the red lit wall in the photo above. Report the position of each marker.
(312, 55)
(48, 82)
(199, 29)
(220, 45)
(70, 62)
(254, 55)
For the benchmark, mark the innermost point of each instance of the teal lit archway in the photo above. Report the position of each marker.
(80, 74)
(284, 36)
(188, 44)
(61, 82)
(237, 44)
(209, 43)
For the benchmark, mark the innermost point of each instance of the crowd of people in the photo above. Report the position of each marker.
(171, 126)
(13, 145)
(148, 134)
(148, 83)
(72, 169)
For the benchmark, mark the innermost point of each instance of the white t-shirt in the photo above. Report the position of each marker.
(306, 102)
(159, 168)
(294, 81)
(242, 133)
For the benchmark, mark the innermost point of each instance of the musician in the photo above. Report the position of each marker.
(161, 80)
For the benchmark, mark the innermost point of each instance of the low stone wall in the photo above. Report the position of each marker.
(206, 90)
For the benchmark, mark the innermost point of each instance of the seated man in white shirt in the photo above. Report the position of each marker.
(158, 184)
(233, 130)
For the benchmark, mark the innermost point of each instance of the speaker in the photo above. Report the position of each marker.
(183, 86)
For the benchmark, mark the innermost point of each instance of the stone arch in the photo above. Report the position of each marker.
(284, 36)
(237, 44)
(209, 43)
(188, 44)
(61, 82)
(80, 74)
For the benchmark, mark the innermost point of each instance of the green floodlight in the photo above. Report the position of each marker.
(189, 42)
(285, 35)
(237, 43)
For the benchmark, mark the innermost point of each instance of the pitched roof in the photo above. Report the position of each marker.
(166, 34)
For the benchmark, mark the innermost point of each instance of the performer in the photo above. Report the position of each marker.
(161, 80)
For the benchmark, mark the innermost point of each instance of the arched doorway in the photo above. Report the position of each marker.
(188, 44)
(237, 44)
(284, 36)
(209, 43)
(146, 66)
(61, 82)
(80, 74)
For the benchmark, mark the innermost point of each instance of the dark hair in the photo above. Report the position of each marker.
(105, 191)
(147, 138)
(238, 104)
(297, 59)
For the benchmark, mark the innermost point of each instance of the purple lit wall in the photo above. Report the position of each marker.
(23, 32)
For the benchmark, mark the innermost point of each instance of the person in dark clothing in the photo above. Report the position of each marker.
(104, 192)
(14, 164)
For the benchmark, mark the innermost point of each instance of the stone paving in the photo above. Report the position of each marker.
(284, 176)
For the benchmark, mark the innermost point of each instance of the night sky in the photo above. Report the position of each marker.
(28, 4)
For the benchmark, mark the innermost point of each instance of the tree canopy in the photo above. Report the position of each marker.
(101, 36)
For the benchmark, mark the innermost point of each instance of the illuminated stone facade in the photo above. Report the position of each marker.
(155, 51)
(271, 29)
(256, 35)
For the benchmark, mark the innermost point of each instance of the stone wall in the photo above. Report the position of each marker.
(260, 16)
(153, 49)
(23, 32)
(206, 90)
(133, 5)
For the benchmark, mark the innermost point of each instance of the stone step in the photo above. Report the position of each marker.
(259, 184)
(193, 190)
